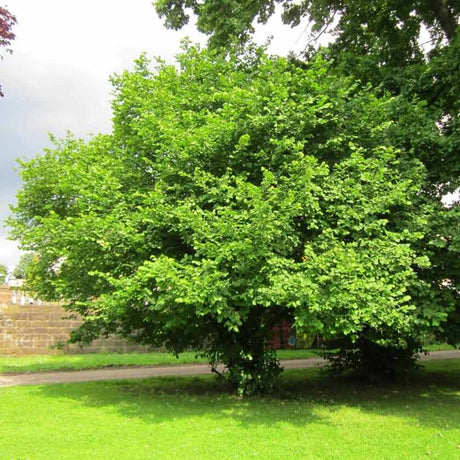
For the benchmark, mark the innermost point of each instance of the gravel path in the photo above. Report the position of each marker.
(121, 373)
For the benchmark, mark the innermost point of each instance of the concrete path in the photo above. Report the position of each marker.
(122, 373)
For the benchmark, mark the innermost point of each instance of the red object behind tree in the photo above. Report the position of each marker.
(281, 334)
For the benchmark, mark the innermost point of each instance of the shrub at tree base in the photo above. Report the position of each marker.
(366, 359)
(238, 190)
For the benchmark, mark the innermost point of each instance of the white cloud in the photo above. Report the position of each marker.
(57, 78)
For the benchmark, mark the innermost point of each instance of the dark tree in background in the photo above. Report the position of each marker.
(7, 20)
(359, 25)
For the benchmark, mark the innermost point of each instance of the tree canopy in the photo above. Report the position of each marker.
(21, 270)
(377, 42)
(392, 27)
(409, 49)
(237, 190)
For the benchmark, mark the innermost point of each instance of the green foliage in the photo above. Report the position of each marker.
(369, 360)
(225, 20)
(237, 191)
(248, 373)
(3, 272)
(379, 42)
(22, 269)
(390, 26)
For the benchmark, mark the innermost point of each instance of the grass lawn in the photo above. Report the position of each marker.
(310, 417)
(36, 363)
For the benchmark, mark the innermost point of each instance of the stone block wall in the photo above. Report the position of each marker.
(6, 294)
(38, 327)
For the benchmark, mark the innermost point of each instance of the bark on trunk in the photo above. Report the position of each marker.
(445, 17)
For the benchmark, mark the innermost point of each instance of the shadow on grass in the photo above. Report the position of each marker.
(429, 400)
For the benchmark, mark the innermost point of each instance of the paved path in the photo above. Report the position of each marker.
(121, 373)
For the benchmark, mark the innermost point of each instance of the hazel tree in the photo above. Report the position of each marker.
(236, 191)
(401, 47)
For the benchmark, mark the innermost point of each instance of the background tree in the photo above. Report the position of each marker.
(391, 28)
(236, 191)
(3, 272)
(22, 269)
(7, 20)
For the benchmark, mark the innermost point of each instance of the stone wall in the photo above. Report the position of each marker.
(28, 326)
(6, 294)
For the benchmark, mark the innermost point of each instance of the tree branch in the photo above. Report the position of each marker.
(215, 371)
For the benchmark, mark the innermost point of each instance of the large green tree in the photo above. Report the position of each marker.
(407, 48)
(235, 191)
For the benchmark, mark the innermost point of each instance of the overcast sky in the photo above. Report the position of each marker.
(57, 78)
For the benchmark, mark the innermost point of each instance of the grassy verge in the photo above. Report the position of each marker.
(34, 363)
(310, 417)
(38, 363)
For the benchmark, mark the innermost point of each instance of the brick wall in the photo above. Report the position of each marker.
(37, 328)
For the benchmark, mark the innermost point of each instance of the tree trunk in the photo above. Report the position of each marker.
(445, 17)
